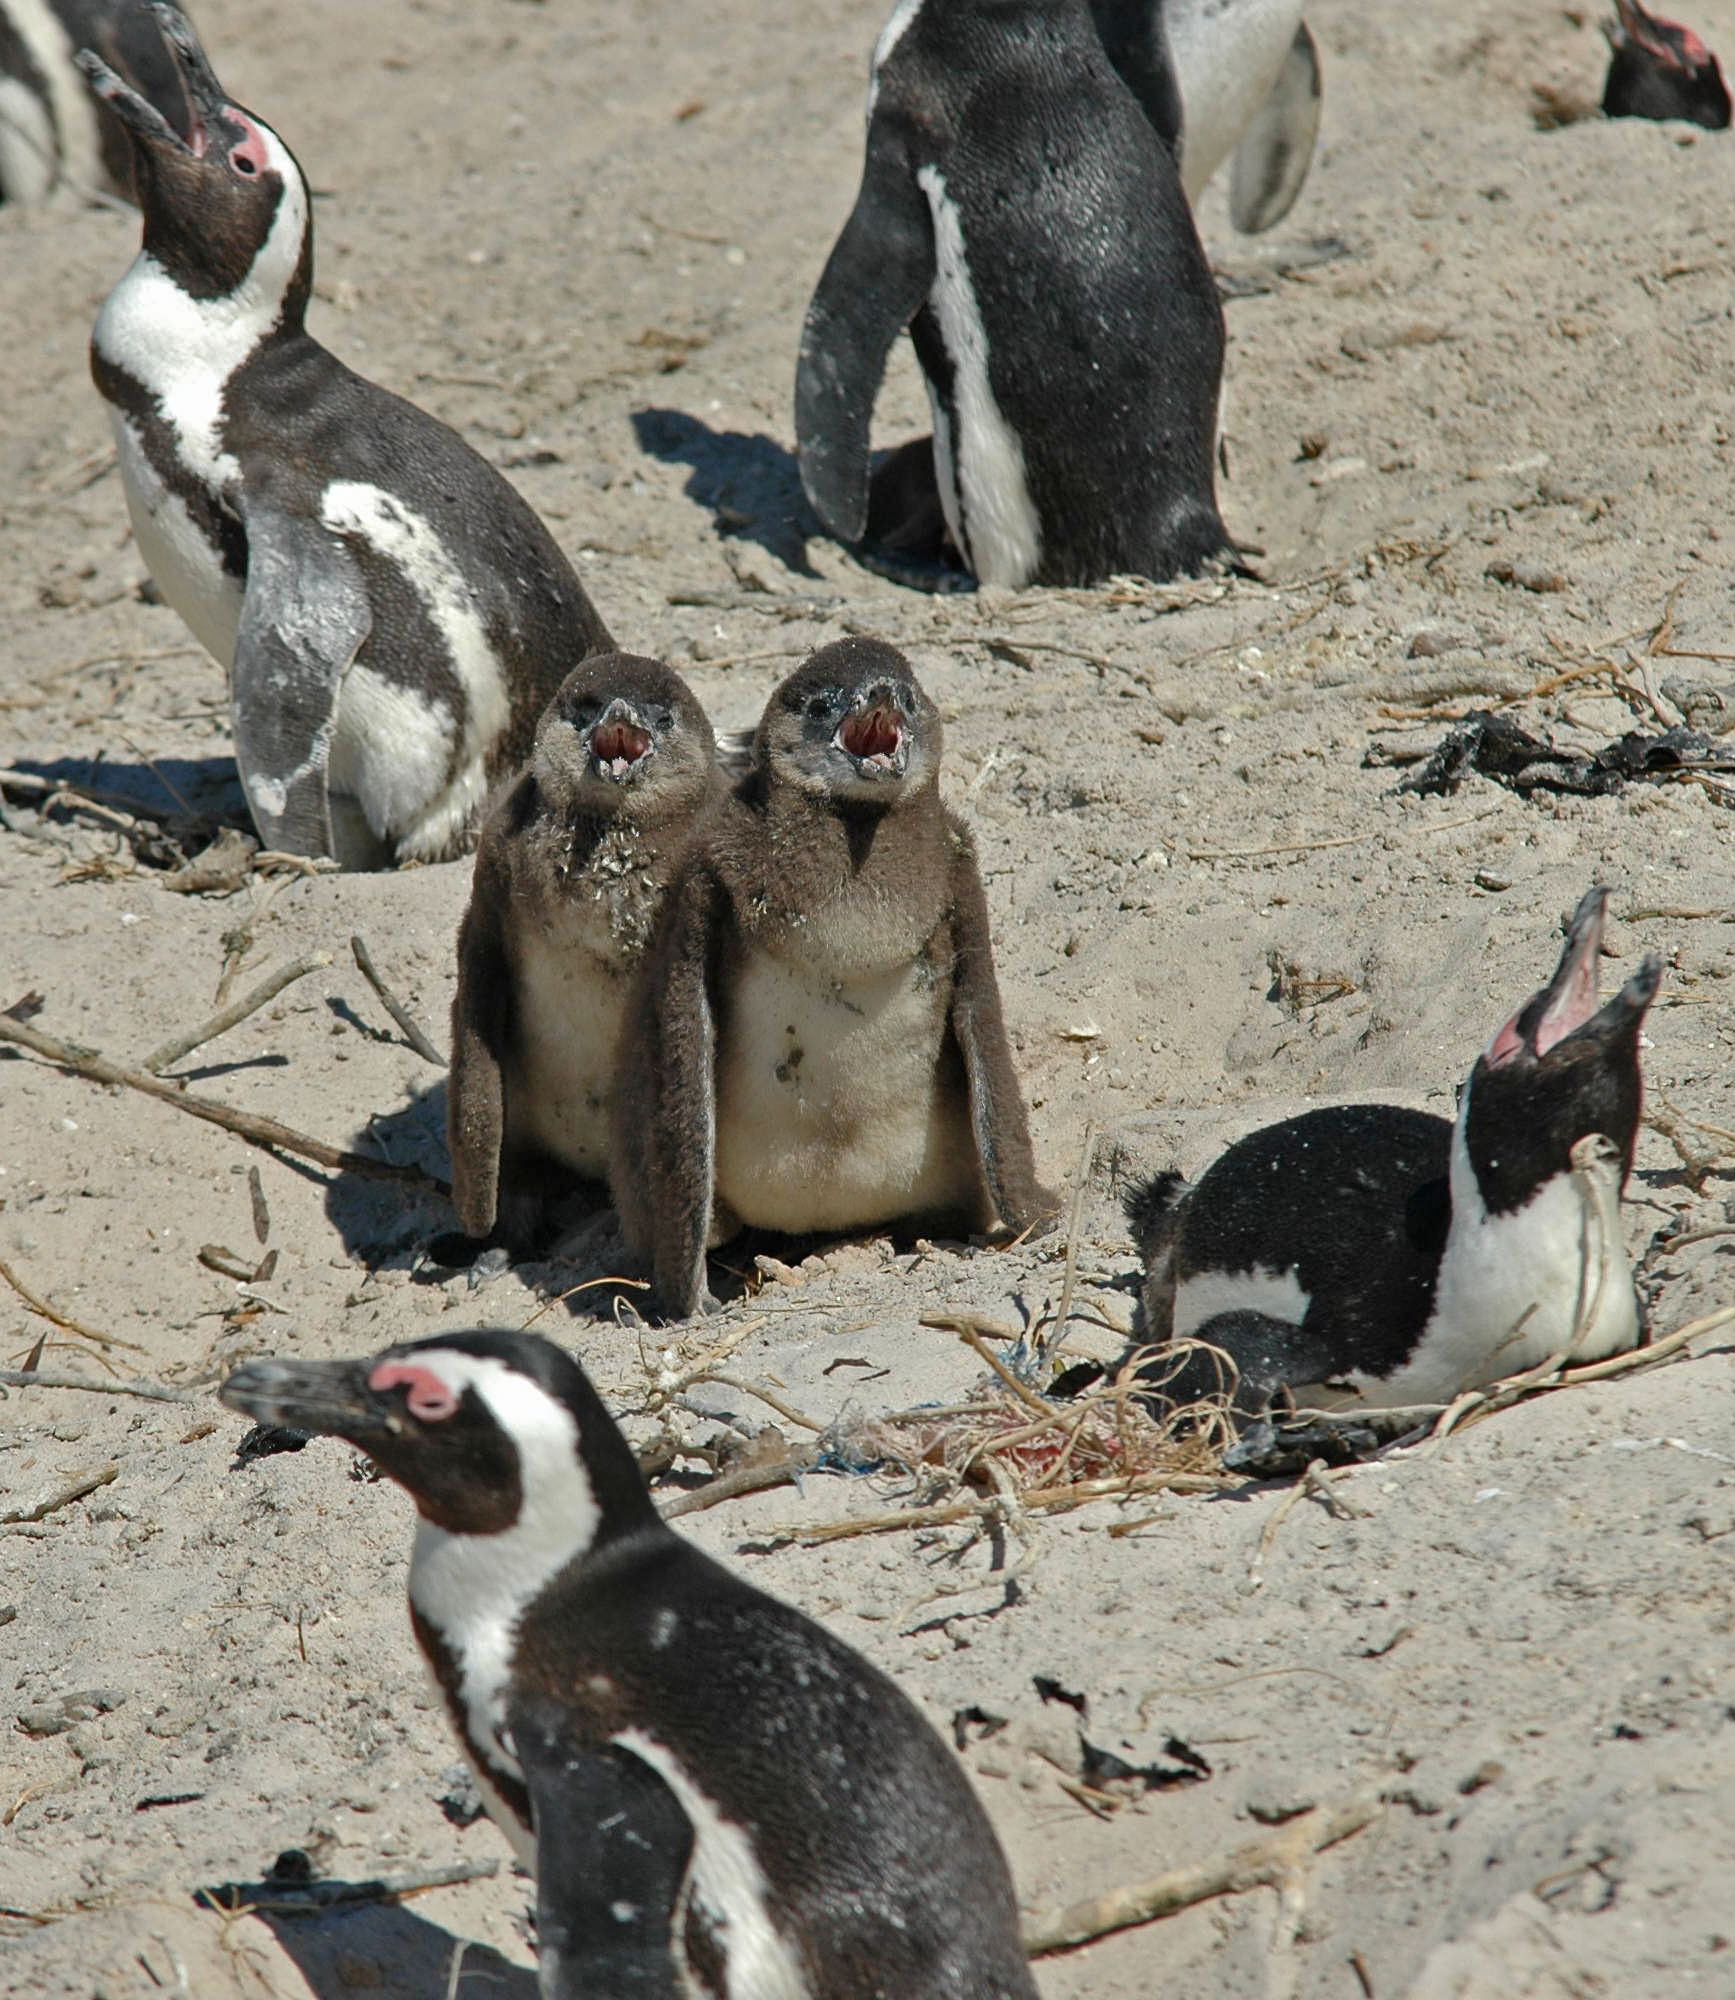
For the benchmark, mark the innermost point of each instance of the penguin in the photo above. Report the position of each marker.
(1220, 78)
(1019, 213)
(1658, 69)
(392, 615)
(571, 867)
(716, 1796)
(815, 1042)
(1391, 1257)
(54, 131)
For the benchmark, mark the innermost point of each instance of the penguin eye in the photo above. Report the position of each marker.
(665, 721)
(243, 165)
(821, 704)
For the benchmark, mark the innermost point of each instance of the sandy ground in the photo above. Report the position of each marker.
(585, 236)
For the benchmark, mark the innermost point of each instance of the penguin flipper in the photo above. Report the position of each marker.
(304, 618)
(476, 1091)
(1276, 150)
(997, 1119)
(663, 1125)
(613, 1850)
(879, 272)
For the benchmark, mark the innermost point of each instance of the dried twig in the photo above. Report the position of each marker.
(1042, 1500)
(255, 1130)
(1079, 1182)
(44, 1378)
(1337, 840)
(757, 1477)
(236, 1012)
(54, 1317)
(1269, 1863)
(406, 1021)
(288, 1897)
(63, 1496)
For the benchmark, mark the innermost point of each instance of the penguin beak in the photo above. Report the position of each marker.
(873, 733)
(206, 97)
(325, 1398)
(619, 741)
(1567, 1004)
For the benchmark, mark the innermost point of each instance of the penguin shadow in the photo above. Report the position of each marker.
(394, 1954)
(386, 1225)
(748, 481)
(191, 799)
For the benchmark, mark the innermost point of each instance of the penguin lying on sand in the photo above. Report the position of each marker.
(718, 1800)
(1401, 1259)
(1658, 69)
(394, 616)
(816, 1040)
(571, 869)
(1222, 78)
(54, 129)
(1020, 215)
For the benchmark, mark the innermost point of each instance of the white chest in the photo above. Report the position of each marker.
(840, 1102)
(570, 993)
(179, 555)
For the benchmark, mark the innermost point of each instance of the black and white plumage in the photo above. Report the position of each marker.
(1658, 69)
(718, 1799)
(1224, 80)
(1401, 1259)
(393, 615)
(1020, 215)
(55, 131)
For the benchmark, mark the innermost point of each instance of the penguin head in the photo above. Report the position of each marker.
(489, 1433)
(1561, 1069)
(618, 727)
(853, 724)
(1658, 69)
(225, 205)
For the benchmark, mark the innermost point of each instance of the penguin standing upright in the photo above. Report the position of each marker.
(718, 1799)
(816, 1040)
(1019, 213)
(571, 868)
(394, 617)
(54, 130)
(1400, 1259)
(1222, 78)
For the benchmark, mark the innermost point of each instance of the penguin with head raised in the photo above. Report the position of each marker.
(1658, 69)
(571, 868)
(816, 1041)
(1020, 215)
(717, 1798)
(393, 616)
(55, 131)
(1223, 79)
(1392, 1258)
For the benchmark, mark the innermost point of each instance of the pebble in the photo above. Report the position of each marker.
(56, 1716)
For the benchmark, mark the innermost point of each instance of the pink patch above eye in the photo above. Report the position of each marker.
(251, 146)
(429, 1398)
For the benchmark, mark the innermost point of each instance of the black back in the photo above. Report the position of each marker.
(1660, 70)
(1354, 1199)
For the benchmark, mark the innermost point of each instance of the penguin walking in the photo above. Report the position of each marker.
(816, 1040)
(1224, 79)
(1391, 1256)
(393, 616)
(1020, 215)
(571, 868)
(55, 132)
(717, 1798)
(1658, 69)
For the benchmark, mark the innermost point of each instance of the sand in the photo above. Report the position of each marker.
(586, 237)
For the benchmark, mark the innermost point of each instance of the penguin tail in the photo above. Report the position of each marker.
(1153, 1209)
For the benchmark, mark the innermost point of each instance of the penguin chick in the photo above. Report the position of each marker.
(571, 868)
(1400, 1259)
(816, 1042)
(717, 1798)
(1222, 79)
(393, 616)
(55, 132)
(1658, 69)
(1020, 215)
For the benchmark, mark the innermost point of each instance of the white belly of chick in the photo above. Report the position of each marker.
(838, 1104)
(569, 1001)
